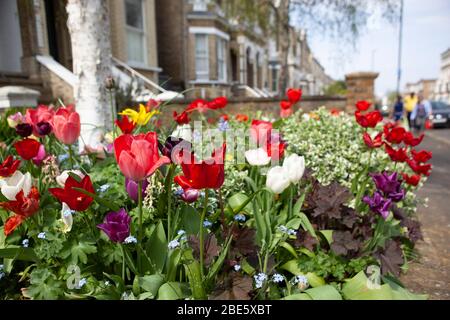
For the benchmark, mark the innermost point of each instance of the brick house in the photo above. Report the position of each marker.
(39, 55)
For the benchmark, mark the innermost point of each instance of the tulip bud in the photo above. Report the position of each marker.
(24, 130)
(190, 195)
(132, 188)
(15, 119)
(43, 128)
(110, 84)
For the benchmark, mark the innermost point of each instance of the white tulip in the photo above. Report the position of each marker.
(257, 157)
(61, 179)
(11, 186)
(66, 217)
(277, 179)
(295, 167)
(184, 132)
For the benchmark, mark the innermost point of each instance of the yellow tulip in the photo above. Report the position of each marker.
(142, 117)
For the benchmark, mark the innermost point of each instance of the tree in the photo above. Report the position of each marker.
(88, 24)
(338, 87)
(340, 19)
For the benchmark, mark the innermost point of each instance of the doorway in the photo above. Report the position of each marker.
(10, 38)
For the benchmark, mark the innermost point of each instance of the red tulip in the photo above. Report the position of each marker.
(363, 105)
(395, 135)
(24, 206)
(218, 103)
(224, 117)
(200, 105)
(138, 155)
(27, 149)
(294, 95)
(241, 117)
(421, 156)
(373, 143)
(125, 125)
(12, 223)
(260, 130)
(152, 104)
(41, 114)
(412, 180)
(76, 200)
(369, 120)
(181, 118)
(411, 141)
(66, 125)
(399, 155)
(9, 166)
(284, 105)
(418, 168)
(206, 174)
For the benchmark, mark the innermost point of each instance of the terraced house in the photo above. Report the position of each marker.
(198, 51)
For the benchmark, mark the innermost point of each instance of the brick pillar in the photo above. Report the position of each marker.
(360, 86)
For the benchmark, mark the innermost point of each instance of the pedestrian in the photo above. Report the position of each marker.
(398, 110)
(410, 103)
(421, 112)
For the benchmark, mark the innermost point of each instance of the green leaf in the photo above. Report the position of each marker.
(400, 293)
(289, 248)
(108, 203)
(214, 269)
(157, 247)
(306, 224)
(195, 279)
(237, 200)
(313, 279)
(44, 285)
(19, 253)
(297, 296)
(78, 251)
(151, 283)
(325, 292)
(294, 223)
(357, 288)
(328, 235)
(173, 291)
(191, 220)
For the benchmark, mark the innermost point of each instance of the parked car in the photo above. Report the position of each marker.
(441, 114)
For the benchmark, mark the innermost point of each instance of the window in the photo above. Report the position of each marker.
(135, 32)
(201, 57)
(221, 62)
(274, 80)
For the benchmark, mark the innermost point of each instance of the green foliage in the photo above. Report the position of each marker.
(337, 88)
(44, 285)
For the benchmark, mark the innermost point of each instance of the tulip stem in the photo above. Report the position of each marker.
(70, 155)
(140, 231)
(123, 263)
(202, 219)
(169, 179)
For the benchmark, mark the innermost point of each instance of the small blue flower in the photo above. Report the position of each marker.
(2, 274)
(107, 283)
(173, 244)
(277, 278)
(301, 280)
(237, 267)
(25, 243)
(178, 192)
(104, 187)
(240, 217)
(181, 232)
(81, 283)
(223, 125)
(63, 157)
(41, 235)
(207, 224)
(1, 267)
(260, 278)
(68, 212)
(130, 239)
(284, 229)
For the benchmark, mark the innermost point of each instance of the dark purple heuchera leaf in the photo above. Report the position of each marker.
(327, 200)
(389, 185)
(210, 244)
(305, 240)
(344, 243)
(234, 286)
(243, 242)
(391, 258)
(349, 217)
(414, 230)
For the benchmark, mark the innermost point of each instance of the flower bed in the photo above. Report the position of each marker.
(311, 206)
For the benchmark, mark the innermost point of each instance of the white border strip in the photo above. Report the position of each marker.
(210, 30)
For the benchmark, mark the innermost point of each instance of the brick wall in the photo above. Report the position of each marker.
(360, 86)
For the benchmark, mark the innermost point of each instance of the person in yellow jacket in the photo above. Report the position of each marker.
(410, 104)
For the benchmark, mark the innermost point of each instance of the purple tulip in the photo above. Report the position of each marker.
(132, 188)
(378, 204)
(24, 130)
(389, 185)
(173, 148)
(116, 225)
(43, 128)
(190, 195)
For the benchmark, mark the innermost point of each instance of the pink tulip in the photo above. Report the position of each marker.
(41, 114)
(66, 125)
(41, 155)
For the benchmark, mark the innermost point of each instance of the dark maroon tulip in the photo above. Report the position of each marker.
(116, 225)
(43, 128)
(173, 148)
(132, 188)
(24, 130)
(190, 195)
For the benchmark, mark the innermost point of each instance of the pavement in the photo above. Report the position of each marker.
(431, 273)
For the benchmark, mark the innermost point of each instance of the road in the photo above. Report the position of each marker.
(431, 274)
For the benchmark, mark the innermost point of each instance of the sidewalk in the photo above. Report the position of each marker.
(431, 274)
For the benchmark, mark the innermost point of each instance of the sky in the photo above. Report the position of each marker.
(426, 34)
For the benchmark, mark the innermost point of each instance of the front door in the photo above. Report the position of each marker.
(10, 39)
